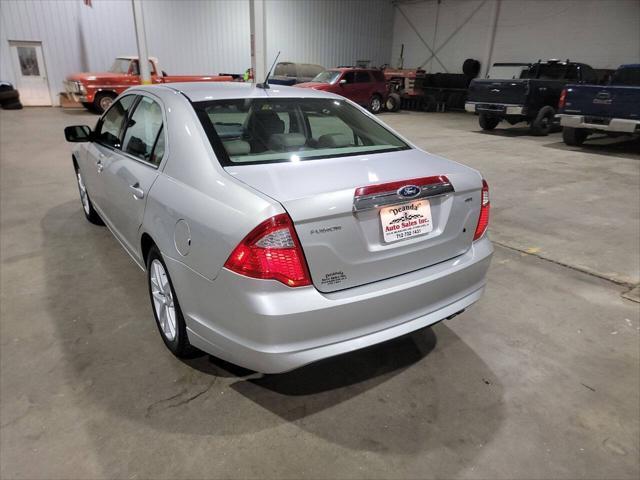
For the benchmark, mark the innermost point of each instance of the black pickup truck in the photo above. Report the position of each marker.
(532, 98)
(613, 109)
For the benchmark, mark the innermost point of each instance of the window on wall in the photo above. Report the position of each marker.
(28, 61)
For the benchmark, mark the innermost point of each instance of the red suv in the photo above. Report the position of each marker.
(364, 86)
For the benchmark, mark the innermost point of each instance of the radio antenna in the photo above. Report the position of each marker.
(265, 84)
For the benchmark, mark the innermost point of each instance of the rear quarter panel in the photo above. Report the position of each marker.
(193, 188)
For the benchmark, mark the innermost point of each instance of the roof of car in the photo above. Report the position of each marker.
(203, 91)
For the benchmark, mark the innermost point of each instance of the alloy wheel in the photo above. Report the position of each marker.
(163, 302)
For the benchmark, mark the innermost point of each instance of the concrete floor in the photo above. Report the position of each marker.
(540, 379)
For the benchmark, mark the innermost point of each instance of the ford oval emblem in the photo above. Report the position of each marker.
(409, 191)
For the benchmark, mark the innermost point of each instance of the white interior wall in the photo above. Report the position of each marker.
(193, 36)
(329, 32)
(602, 33)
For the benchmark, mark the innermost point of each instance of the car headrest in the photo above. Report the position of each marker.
(237, 147)
(266, 122)
(286, 141)
(334, 140)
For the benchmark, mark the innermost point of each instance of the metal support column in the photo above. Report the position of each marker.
(141, 39)
(258, 39)
(488, 56)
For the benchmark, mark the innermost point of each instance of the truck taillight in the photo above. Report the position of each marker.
(271, 251)
(485, 205)
(563, 98)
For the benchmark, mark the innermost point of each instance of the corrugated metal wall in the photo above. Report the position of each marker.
(74, 37)
(199, 36)
(194, 36)
(602, 33)
(330, 32)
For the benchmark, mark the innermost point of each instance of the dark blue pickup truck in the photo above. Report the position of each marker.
(613, 109)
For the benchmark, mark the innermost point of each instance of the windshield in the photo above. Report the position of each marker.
(328, 76)
(291, 129)
(507, 72)
(120, 65)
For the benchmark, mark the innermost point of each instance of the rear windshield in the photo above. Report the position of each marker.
(550, 71)
(629, 76)
(266, 130)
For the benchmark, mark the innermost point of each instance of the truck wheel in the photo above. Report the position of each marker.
(574, 136)
(375, 104)
(103, 101)
(543, 122)
(393, 102)
(487, 122)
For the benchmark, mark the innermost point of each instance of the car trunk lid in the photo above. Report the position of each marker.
(342, 236)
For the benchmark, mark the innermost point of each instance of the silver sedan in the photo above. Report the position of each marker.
(281, 226)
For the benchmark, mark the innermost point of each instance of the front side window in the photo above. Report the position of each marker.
(110, 125)
(265, 130)
(362, 77)
(135, 67)
(142, 130)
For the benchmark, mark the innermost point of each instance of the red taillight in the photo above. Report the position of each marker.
(483, 221)
(271, 251)
(563, 98)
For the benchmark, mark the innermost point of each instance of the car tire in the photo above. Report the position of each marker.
(393, 102)
(103, 101)
(166, 308)
(87, 207)
(12, 106)
(543, 123)
(487, 122)
(375, 104)
(9, 96)
(574, 136)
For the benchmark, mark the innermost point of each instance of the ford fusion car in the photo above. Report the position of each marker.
(281, 226)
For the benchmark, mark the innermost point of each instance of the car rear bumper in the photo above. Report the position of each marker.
(500, 109)
(268, 327)
(613, 125)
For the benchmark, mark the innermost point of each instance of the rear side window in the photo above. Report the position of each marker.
(142, 129)
(110, 126)
(349, 77)
(378, 76)
(362, 77)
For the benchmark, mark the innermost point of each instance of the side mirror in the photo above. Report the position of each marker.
(77, 133)
(343, 81)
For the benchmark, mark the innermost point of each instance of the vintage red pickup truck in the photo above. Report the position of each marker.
(96, 91)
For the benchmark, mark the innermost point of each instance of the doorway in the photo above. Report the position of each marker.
(31, 74)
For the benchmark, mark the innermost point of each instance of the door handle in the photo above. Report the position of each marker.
(137, 191)
(100, 166)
